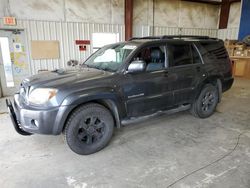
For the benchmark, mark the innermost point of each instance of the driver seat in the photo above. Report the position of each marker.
(157, 60)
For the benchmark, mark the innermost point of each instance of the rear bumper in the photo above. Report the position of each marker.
(31, 120)
(227, 84)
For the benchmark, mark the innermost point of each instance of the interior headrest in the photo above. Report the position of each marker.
(156, 54)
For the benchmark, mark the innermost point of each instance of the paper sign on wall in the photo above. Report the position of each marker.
(17, 47)
(45, 49)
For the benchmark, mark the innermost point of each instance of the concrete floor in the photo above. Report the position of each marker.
(177, 150)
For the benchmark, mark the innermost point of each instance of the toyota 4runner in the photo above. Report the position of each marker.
(121, 83)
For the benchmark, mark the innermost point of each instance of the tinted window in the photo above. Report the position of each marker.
(215, 50)
(181, 54)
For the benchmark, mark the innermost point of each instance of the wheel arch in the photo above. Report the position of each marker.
(215, 81)
(108, 103)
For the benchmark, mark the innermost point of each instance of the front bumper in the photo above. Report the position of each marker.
(13, 118)
(28, 120)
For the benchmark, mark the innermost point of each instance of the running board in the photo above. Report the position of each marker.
(143, 118)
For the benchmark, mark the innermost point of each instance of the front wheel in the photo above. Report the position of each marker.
(205, 105)
(89, 129)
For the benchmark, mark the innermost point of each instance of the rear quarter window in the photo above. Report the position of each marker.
(213, 51)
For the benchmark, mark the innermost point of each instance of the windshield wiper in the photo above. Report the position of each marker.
(96, 67)
(108, 69)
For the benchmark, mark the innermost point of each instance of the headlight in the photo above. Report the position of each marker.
(42, 95)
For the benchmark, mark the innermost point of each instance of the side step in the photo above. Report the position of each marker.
(143, 118)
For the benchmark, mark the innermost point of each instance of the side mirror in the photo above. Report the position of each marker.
(136, 66)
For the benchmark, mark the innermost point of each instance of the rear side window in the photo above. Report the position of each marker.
(181, 54)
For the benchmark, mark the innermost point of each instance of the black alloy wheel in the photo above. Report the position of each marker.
(205, 105)
(89, 129)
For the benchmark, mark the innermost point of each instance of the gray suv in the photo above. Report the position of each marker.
(121, 83)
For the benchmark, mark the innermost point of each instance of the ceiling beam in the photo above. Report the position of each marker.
(234, 1)
(213, 2)
(224, 12)
(128, 19)
(205, 1)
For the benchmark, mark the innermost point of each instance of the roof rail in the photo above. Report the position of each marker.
(185, 36)
(172, 37)
(148, 37)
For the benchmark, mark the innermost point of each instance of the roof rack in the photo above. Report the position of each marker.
(148, 37)
(171, 37)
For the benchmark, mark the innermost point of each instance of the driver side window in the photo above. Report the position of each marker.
(154, 57)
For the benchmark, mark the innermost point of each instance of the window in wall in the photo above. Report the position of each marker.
(101, 39)
(5, 51)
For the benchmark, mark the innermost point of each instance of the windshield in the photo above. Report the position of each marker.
(111, 57)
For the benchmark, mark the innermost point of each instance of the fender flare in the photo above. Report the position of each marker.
(107, 98)
(216, 81)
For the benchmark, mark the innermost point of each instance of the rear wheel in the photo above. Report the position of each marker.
(89, 129)
(205, 105)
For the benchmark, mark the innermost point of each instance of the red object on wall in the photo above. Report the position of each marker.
(82, 48)
(9, 20)
(80, 42)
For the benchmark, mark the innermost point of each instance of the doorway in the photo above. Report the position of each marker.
(14, 65)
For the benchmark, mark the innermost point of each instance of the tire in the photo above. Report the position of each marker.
(205, 105)
(89, 129)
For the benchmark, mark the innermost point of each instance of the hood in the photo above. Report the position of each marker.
(60, 78)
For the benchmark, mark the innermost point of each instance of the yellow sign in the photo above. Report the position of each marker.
(9, 20)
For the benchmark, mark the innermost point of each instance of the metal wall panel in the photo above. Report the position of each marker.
(230, 33)
(66, 33)
(140, 31)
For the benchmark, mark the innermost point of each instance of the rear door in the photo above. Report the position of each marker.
(186, 65)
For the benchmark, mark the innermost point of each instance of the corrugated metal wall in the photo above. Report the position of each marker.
(140, 31)
(229, 33)
(66, 33)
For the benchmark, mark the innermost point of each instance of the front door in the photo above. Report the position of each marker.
(14, 66)
(148, 92)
